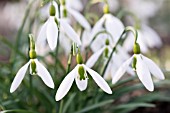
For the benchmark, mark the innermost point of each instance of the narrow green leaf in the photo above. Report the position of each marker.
(17, 111)
(91, 107)
(69, 101)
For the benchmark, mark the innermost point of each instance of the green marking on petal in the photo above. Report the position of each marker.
(106, 52)
(134, 63)
(81, 73)
(33, 67)
(107, 42)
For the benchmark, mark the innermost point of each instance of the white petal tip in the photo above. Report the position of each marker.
(162, 77)
(52, 48)
(52, 86)
(57, 98)
(11, 91)
(109, 92)
(114, 82)
(151, 89)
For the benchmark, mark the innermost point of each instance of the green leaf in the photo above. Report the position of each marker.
(133, 105)
(125, 108)
(69, 101)
(91, 107)
(17, 111)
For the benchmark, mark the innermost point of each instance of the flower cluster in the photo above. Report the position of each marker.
(107, 39)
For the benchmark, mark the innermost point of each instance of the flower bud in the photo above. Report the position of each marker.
(52, 10)
(33, 67)
(106, 52)
(32, 54)
(79, 58)
(136, 48)
(81, 73)
(107, 42)
(106, 9)
(134, 63)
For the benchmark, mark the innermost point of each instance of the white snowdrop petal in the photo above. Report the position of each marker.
(85, 39)
(56, 9)
(52, 33)
(99, 80)
(80, 18)
(141, 42)
(114, 26)
(153, 68)
(66, 84)
(70, 32)
(97, 27)
(19, 77)
(144, 74)
(75, 4)
(44, 74)
(42, 34)
(93, 59)
(108, 72)
(81, 84)
(151, 37)
(123, 53)
(122, 69)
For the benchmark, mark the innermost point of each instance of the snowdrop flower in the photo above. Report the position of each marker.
(35, 68)
(117, 59)
(50, 30)
(143, 66)
(110, 23)
(79, 74)
(77, 15)
(148, 38)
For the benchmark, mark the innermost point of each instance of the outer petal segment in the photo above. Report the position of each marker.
(44, 74)
(52, 33)
(99, 80)
(19, 77)
(144, 74)
(123, 68)
(66, 85)
(70, 32)
(153, 68)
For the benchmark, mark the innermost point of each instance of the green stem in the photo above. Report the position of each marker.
(127, 29)
(61, 106)
(69, 60)
(57, 48)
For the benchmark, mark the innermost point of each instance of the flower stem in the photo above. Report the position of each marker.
(56, 52)
(121, 40)
(61, 106)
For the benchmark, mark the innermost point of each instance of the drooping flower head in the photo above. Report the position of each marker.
(143, 67)
(36, 68)
(79, 74)
(51, 27)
